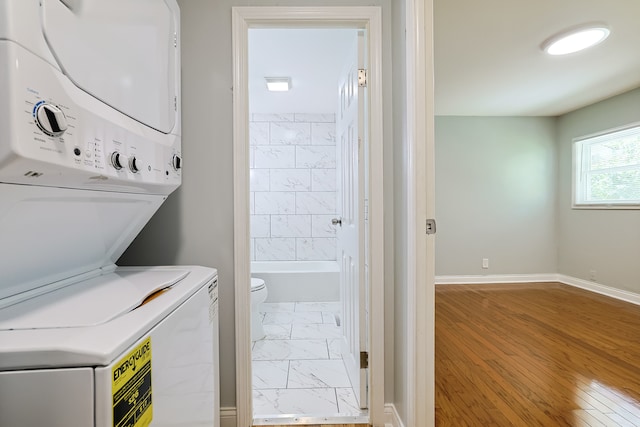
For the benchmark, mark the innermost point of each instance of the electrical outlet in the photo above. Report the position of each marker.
(592, 275)
(485, 263)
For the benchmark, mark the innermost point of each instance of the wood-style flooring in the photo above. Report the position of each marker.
(543, 354)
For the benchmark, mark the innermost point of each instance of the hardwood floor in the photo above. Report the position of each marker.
(535, 355)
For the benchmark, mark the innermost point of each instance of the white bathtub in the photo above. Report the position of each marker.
(304, 281)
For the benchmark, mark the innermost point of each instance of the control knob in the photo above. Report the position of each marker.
(116, 160)
(133, 164)
(176, 162)
(50, 119)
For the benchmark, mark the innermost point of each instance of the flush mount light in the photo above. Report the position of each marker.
(278, 84)
(575, 39)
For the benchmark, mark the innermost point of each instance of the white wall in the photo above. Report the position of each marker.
(195, 226)
(607, 241)
(495, 195)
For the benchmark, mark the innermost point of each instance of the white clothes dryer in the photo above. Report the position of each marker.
(90, 147)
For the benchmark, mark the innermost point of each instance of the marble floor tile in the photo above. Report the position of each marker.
(269, 373)
(277, 332)
(315, 331)
(284, 318)
(274, 307)
(331, 317)
(318, 306)
(319, 401)
(347, 403)
(317, 374)
(335, 348)
(290, 350)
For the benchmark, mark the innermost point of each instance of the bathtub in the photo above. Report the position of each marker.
(299, 281)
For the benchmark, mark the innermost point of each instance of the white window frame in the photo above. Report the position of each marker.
(579, 162)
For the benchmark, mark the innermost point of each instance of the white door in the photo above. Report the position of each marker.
(350, 232)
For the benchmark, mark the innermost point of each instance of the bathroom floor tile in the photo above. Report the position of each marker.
(290, 349)
(275, 307)
(331, 317)
(291, 317)
(347, 403)
(315, 330)
(277, 332)
(318, 306)
(335, 348)
(270, 373)
(317, 374)
(318, 401)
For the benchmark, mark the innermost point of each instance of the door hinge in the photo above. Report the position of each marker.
(175, 103)
(362, 77)
(431, 226)
(175, 40)
(364, 360)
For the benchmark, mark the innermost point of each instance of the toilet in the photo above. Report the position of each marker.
(258, 296)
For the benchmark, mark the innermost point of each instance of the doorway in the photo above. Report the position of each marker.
(263, 136)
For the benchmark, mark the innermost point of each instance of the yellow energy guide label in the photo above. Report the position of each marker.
(131, 388)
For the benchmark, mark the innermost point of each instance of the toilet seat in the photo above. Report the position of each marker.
(257, 284)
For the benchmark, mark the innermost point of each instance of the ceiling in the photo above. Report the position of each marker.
(488, 60)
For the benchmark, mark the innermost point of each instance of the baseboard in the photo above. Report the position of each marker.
(228, 417)
(620, 294)
(391, 417)
(496, 278)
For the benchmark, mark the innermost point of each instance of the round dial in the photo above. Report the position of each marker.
(50, 119)
(133, 164)
(116, 160)
(176, 162)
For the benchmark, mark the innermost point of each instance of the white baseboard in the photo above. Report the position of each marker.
(496, 278)
(620, 294)
(228, 417)
(391, 417)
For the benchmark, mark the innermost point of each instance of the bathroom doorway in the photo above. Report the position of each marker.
(307, 222)
(304, 160)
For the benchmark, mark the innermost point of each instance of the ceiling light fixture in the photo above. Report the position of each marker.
(278, 84)
(575, 39)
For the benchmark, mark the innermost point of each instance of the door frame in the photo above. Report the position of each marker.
(244, 18)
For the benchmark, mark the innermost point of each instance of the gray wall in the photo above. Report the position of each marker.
(195, 226)
(495, 195)
(607, 241)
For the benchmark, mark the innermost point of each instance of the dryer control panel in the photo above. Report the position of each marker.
(54, 134)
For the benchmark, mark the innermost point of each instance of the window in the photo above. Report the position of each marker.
(607, 170)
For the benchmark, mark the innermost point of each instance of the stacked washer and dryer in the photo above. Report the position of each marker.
(90, 147)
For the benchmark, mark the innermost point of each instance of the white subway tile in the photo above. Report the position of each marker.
(306, 117)
(260, 117)
(252, 254)
(275, 202)
(275, 157)
(318, 203)
(290, 225)
(260, 225)
(321, 226)
(258, 133)
(286, 133)
(275, 249)
(323, 180)
(259, 179)
(316, 249)
(252, 206)
(315, 157)
(323, 134)
(290, 180)
(252, 156)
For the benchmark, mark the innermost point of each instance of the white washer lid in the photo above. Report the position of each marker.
(89, 303)
(256, 284)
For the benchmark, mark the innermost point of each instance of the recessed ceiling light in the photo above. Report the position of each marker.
(278, 84)
(575, 39)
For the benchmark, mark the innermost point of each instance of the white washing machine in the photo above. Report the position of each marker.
(90, 147)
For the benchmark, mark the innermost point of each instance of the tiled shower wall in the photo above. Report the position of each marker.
(293, 187)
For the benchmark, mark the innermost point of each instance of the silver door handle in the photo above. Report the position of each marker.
(337, 221)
